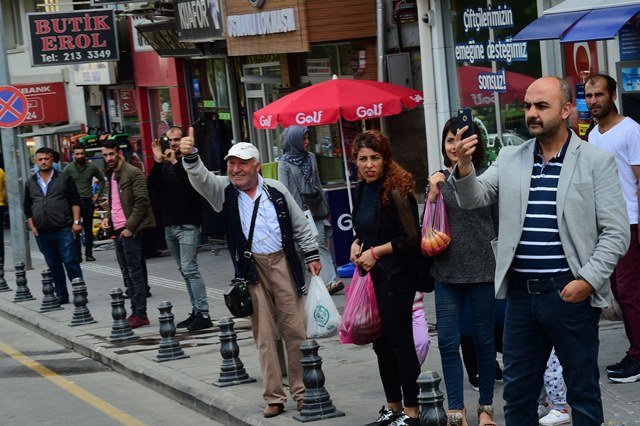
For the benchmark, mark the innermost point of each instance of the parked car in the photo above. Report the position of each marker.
(508, 138)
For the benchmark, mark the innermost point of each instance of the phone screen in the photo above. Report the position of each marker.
(465, 119)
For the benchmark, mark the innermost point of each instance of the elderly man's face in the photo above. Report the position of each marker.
(243, 173)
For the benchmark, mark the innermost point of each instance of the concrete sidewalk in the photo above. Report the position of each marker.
(351, 371)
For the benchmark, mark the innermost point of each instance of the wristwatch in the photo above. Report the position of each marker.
(77, 222)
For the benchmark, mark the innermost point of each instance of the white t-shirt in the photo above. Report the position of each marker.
(623, 141)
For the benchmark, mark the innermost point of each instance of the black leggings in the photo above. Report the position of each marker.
(397, 359)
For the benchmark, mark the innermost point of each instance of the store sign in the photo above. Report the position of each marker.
(128, 102)
(256, 3)
(95, 74)
(72, 37)
(140, 44)
(164, 40)
(405, 11)
(198, 20)
(47, 103)
(505, 51)
(269, 22)
(319, 67)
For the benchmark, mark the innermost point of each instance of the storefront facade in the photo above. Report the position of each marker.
(483, 56)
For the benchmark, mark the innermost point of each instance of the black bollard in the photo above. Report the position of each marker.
(49, 301)
(120, 329)
(431, 400)
(316, 403)
(232, 370)
(81, 314)
(22, 290)
(3, 283)
(169, 346)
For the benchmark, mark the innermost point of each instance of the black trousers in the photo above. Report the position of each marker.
(397, 359)
(86, 212)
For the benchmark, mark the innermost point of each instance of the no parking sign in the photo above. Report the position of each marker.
(13, 107)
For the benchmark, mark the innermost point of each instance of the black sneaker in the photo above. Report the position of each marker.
(200, 322)
(404, 420)
(629, 372)
(186, 323)
(386, 417)
(618, 366)
(90, 258)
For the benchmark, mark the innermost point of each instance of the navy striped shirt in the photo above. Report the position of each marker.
(539, 253)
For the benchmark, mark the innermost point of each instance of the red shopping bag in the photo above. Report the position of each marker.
(436, 236)
(361, 323)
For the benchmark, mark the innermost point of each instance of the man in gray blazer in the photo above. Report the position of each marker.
(563, 227)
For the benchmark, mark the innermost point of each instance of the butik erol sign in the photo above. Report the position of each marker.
(505, 51)
(72, 37)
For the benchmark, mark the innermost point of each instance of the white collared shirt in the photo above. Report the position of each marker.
(267, 237)
(44, 186)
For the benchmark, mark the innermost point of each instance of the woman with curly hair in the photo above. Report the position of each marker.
(385, 218)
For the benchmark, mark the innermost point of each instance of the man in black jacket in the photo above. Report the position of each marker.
(52, 208)
(181, 216)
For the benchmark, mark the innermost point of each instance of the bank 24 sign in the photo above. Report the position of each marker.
(72, 37)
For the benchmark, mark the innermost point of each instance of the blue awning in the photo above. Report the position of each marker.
(550, 26)
(600, 24)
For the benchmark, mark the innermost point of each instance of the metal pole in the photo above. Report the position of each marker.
(15, 182)
(380, 32)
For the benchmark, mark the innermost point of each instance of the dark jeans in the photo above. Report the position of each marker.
(397, 358)
(86, 211)
(535, 323)
(450, 302)
(58, 249)
(134, 271)
(624, 284)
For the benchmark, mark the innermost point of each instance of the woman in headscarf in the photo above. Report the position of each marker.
(298, 171)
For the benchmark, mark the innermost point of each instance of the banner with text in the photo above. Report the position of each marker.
(72, 37)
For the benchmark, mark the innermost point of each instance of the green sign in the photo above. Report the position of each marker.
(224, 116)
(209, 104)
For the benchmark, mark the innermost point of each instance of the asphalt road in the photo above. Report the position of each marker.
(44, 383)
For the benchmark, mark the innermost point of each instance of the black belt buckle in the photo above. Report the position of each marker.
(534, 282)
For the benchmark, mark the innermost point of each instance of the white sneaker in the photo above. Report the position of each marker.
(555, 417)
(543, 410)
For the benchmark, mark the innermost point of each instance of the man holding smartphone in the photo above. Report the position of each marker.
(563, 227)
(181, 216)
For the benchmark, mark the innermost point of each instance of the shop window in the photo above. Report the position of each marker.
(492, 71)
(329, 59)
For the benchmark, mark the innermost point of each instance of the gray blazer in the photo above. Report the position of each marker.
(592, 217)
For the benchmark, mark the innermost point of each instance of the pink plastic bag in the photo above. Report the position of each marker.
(436, 236)
(361, 323)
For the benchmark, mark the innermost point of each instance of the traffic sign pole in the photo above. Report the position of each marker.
(15, 182)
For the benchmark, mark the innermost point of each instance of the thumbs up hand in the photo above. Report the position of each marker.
(186, 144)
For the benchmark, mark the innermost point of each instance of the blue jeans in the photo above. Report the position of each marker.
(533, 324)
(450, 301)
(134, 273)
(182, 241)
(58, 249)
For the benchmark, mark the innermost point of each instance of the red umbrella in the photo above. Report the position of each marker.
(469, 85)
(327, 102)
(333, 100)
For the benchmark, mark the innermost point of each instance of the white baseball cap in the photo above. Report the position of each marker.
(244, 151)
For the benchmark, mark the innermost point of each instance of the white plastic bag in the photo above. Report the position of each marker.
(323, 317)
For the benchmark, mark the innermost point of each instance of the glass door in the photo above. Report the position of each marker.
(260, 84)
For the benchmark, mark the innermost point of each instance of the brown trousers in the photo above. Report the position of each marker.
(275, 299)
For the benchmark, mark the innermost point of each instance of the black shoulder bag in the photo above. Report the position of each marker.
(237, 298)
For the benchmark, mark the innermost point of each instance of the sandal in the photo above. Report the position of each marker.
(487, 411)
(457, 417)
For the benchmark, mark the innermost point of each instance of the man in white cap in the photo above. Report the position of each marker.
(274, 268)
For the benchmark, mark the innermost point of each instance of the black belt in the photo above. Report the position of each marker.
(541, 285)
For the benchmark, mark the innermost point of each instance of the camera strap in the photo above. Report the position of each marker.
(247, 255)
